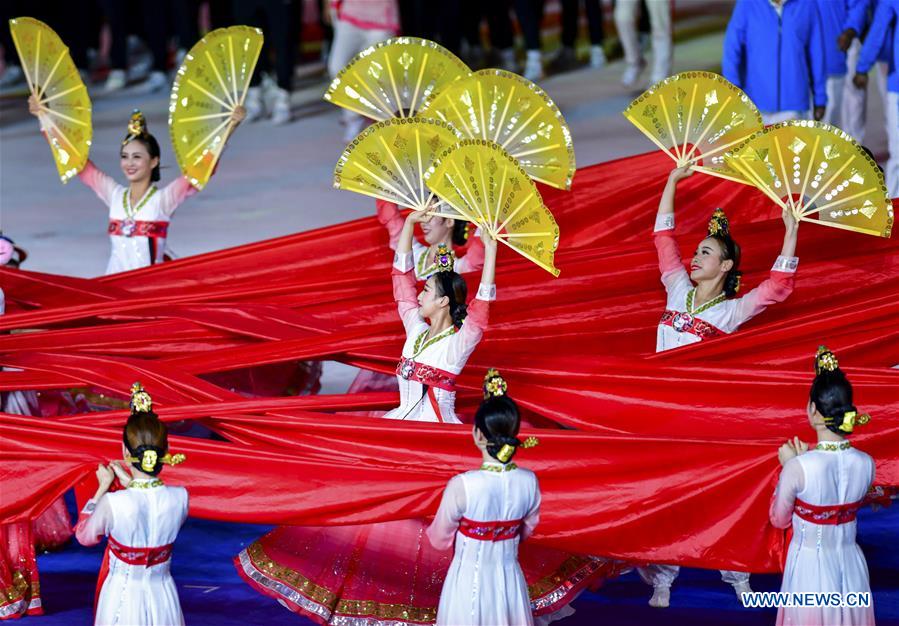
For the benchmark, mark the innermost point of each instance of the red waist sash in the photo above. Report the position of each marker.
(829, 515)
(140, 556)
(490, 531)
(687, 323)
(132, 228)
(426, 374)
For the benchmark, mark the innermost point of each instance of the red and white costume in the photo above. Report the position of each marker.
(138, 227)
(483, 515)
(142, 522)
(819, 493)
(682, 323)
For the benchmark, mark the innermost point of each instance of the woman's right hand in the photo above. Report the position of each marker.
(105, 476)
(34, 107)
(417, 217)
(680, 173)
(122, 474)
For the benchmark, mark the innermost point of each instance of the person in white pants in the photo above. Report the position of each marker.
(660, 22)
(357, 25)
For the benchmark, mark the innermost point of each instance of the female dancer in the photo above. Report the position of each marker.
(139, 214)
(141, 521)
(485, 513)
(702, 305)
(819, 494)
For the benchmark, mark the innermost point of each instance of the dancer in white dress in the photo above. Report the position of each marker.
(706, 310)
(435, 353)
(485, 514)
(819, 493)
(141, 521)
(139, 214)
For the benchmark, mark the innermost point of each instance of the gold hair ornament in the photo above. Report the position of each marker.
(494, 384)
(140, 399)
(718, 224)
(505, 453)
(137, 127)
(825, 360)
(849, 421)
(530, 442)
(149, 458)
(444, 259)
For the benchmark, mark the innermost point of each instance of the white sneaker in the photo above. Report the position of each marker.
(281, 107)
(631, 74)
(533, 66)
(253, 104)
(507, 60)
(740, 589)
(656, 78)
(157, 81)
(116, 80)
(12, 76)
(661, 597)
(597, 57)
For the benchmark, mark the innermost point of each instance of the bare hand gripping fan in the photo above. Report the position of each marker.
(486, 185)
(54, 81)
(395, 78)
(695, 117)
(388, 160)
(211, 82)
(820, 174)
(511, 111)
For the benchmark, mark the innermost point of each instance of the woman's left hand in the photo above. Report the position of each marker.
(785, 453)
(238, 114)
(791, 224)
(487, 239)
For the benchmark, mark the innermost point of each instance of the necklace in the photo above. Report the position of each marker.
(421, 344)
(145, 484)
(705, 307)
(833, 446)
(490, 467)
(130, 212)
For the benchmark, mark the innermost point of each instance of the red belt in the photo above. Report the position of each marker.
(140, 556)
(132, 228)
(687, 323)
(828, 515)
(426, 374)
(490, 531)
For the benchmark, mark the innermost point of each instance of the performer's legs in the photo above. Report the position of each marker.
(738, 580)
(835, 90)
(892, 166)
(661, 577)
(626, 23)
(853, 113)
(660, 21)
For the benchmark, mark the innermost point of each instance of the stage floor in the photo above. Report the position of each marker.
(212, 593)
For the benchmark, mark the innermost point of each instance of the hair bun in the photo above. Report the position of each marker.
(459, 313)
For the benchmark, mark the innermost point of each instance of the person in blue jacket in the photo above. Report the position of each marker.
(774, 51)
(854, 115)
(837, 17)
(885, 28)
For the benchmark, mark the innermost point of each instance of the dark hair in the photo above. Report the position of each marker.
(498, 419)
(730, 251)
(452, 285)
(144, 431)
(152, 147)
(832, 394)
(460, 232)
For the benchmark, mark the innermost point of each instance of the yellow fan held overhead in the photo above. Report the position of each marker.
(695, 118)
(209, 85)
(511, 111)
(388, 160)
(819, 174)
(56, 86)
(395, 78)
(488, 186)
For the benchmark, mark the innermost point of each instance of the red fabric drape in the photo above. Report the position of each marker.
(674, 458)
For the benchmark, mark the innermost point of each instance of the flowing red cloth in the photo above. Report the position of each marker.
(675, 456)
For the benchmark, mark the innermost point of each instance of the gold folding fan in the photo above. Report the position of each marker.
(511, 111)
(486, 185)
(819, 173)
(209, 85)
(695, 117)
(395, 78)
(388, 160)
(54, 81)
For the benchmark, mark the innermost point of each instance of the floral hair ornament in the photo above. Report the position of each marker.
(494, 384)
(718, 225)
(147, 458)
(140, 399)
(445, 258)
(137, 127)
(825, 360)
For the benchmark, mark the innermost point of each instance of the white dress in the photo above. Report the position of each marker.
(824, 557)
(485, 584)
(435, 362)
(137, 518)
(136, 251)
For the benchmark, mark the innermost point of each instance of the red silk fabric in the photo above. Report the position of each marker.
(674, 456)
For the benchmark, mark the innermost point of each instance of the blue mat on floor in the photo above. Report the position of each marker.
(212, 593)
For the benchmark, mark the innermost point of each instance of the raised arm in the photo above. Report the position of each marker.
(671, 265)
(391, 219)
(404, 289)
(442, 531)
(474, 257)
(95, 518)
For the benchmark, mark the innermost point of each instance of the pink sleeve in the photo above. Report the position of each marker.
(473, 260)
(474, 326)
(775, 289)
(792, 481)
(102, 184)
(94, 524)
(442, 531)
(532, 518)
(175, 193)
(670, 263)
(390, 217)
(406, 296)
